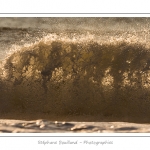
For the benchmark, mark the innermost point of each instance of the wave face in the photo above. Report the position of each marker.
(78, 74)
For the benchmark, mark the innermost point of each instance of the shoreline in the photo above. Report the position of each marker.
(46, 126)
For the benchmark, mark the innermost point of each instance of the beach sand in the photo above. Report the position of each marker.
(46, 126)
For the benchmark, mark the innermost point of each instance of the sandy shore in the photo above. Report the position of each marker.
(45, 126)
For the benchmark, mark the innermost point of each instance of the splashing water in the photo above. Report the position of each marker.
(79, 74)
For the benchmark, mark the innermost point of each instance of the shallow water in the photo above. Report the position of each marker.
(45, 126)
(75, 67)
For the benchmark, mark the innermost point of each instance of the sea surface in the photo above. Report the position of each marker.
(75, 69)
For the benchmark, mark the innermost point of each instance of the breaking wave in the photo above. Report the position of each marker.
(78, 74)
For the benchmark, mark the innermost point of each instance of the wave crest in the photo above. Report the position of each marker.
(74, 77)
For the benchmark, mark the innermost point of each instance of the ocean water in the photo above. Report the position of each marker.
(76, 66)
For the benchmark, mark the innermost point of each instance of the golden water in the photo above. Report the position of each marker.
(105, 73)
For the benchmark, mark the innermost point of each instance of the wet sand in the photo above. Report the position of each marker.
(45, 126)
(31, 123)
